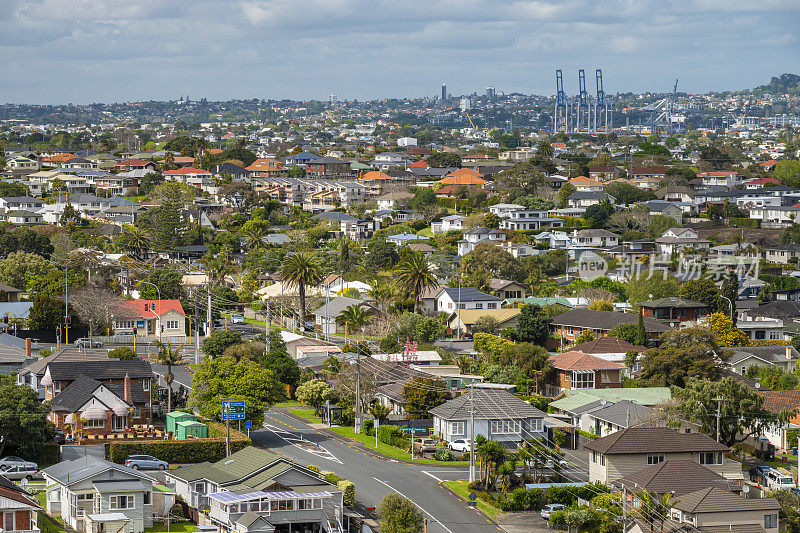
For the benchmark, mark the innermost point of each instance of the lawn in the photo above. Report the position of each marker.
(179, 527)
(255, 322)
(289, 403)
(460, 488)
(307, 414)
(387, 450)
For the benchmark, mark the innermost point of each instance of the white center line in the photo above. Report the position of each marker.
(429, 474)
(415, 503)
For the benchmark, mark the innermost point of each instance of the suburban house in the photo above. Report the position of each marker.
(499, 416)
(478, 235)
(577, 370)
(743, 357)
(785, 254)
(256, 490)
(530, 219)
(595, 238)
(584, 184)
(164, 319)
(676, 477)
(673, 308)
(99, 397)
(326, 317)
(570, 324)
(610, 349)
(18, 509)
(578, 404)
(448, 223)
(722, 510)
(631, 450)
(391, 199)
(609, 418)
(675, 240)
(505, 289)
(451, 298)
(778, 401)
(468, 318)
(720, 179)
(584, 199)
(89, 491)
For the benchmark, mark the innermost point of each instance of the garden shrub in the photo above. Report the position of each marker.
(177, 451)
(443, 454)
(348, 489)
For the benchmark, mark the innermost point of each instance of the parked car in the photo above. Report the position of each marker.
(424, 445)
(460, 445)
(13, 460)
(59, 437)
(778, 479)
(236, 319)
(551, 508)
(19, 472)
(87, 343)
(125, 334)
(145, 462)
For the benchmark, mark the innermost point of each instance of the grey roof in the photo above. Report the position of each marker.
(70, 472)
(69, 354)
(589, 195)
(276, 238)
(80, 197)
(771, 354)
(676, 477)
(624, 414)
(100, 370)
(335, 306)
(638, 440)
(605, 320)
(778, 309)
(334, 216)
(119, 201)
(488, 404)
(11, 340)
(235, 467)
(717, 500)
(482, 230)
(112, 485)
(596, 233)
(75, 395)
(469, 294)
(230, 168)
(673, 301)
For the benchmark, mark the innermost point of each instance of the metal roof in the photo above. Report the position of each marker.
(232, 497)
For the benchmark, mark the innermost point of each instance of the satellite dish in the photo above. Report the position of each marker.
(746, 489)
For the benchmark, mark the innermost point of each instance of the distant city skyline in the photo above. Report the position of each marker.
(83, 51)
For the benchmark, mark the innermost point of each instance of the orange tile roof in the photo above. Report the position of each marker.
(183, 159)
(186, 170)
(770, 163)
(582, 361)
(419, 164)
(558, 145)
(137, 307)
(584, 179)
(464, 176)
(778, 400)
(373, 175)
(59, 157)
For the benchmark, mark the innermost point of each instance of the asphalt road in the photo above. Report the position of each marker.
(375, 477)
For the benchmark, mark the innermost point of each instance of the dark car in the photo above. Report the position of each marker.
(59, 437)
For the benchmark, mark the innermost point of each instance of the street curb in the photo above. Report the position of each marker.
(353, 443)
(476, 508)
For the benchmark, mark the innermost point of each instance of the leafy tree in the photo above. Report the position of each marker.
(564, 193)
(495, 262)
(486, 324)
(787, 171)
(625, 331)
(167, 279)
(730, 290)
(422, 394)
(727, 334)
(599, 213)
(149, 181)
(312, 392)
(790, 509)
(381, 255)
(702, 290)
(642, 289)
(533, 325)
(414, 275)
(17, 266)
(399, 515)
(627, 194)
(46, 313)
(219, 340)
(225, 377)
(683, 354)
(423, 197)
(123, 353)
(12, 188)
(631, 358)
(300, 270)
(742, 412)
(444, 160)
(168, 356)
(501, 373)
(654, 508)
(601, 305)
(585, 336)
(490, 220)
(24, 240)
(277, 360)
(24, 420)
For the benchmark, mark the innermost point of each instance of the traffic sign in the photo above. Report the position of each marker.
(248, 424)
(233, 410)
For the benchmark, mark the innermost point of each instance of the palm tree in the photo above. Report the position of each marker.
(382, 292)
(301, 269)
(506, 471)
(544, 150)
(137, 239)
(353, 317)
(414, 274)
(255, 234)
(169, 357)
(654, 508)
(491, 454)
(380, 411)
(169, 158)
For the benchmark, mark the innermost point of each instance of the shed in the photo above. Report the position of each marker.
(190, 428)
(178, 416)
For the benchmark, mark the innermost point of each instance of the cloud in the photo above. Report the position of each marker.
(114, 50)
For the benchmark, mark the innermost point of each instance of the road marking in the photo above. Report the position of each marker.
(300, 442)
(415, 503)
(434, 477)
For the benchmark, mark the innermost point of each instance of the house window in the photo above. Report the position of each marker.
(121, 501)
(505, 427)
(172, 324)
(770, 521)
(147, 500)
(594, 457)
(491, 306)
(145, 384)
(457, 428)
(537, 425)
(85, 497)
(711, 458)
(655, 458)
(609, 376)
(94, 424)
(56, 386)
(582, 379)
(478, 306)
(602, 460)
(137, 412)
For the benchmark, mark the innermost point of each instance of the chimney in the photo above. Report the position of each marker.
(28, 347)
(788, 352)
(126, 387)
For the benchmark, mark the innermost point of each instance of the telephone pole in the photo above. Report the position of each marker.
(471, 433)
(208, 313)
(718, 399)
(357, 429)
(268, 320)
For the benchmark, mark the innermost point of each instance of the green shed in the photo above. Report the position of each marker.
(190, 428)
(178, 416)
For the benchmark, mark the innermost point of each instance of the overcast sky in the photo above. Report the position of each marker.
(80, 51)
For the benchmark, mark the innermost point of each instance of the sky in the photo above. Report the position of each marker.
(83, 51)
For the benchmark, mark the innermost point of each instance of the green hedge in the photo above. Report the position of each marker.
(522, 499)
(177, 451)
(588, 435)
(348, 489)
(392, 436)
(745, 222)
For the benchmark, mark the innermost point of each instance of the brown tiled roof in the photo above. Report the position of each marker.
(716, 500)
(605, 320)
(778, 400)
(654, 440)
(607, 345)
(676, 477)
(582, 361)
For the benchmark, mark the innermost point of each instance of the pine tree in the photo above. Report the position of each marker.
(641, 332)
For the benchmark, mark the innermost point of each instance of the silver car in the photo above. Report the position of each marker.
(145, 462)
(13, 460)
(17, 473)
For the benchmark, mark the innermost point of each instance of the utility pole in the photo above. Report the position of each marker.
(357, 429)
(226, 408)
(268, 320)
(624, 507)
(471, 433)
(208, 312)
(66, 304)
(718, 399)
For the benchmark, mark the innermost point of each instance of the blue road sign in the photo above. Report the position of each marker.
(233, 410)
(248, 424)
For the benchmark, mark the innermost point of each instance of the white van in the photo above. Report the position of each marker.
(780, 479)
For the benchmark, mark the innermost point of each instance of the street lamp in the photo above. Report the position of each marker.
(729, 303)
(159, 306)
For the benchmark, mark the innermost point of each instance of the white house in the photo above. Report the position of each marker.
(528, 219)
(452, 298)
(406, 141)
(478, 235)
(448, 223)
(675, 240)
(595, 238)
